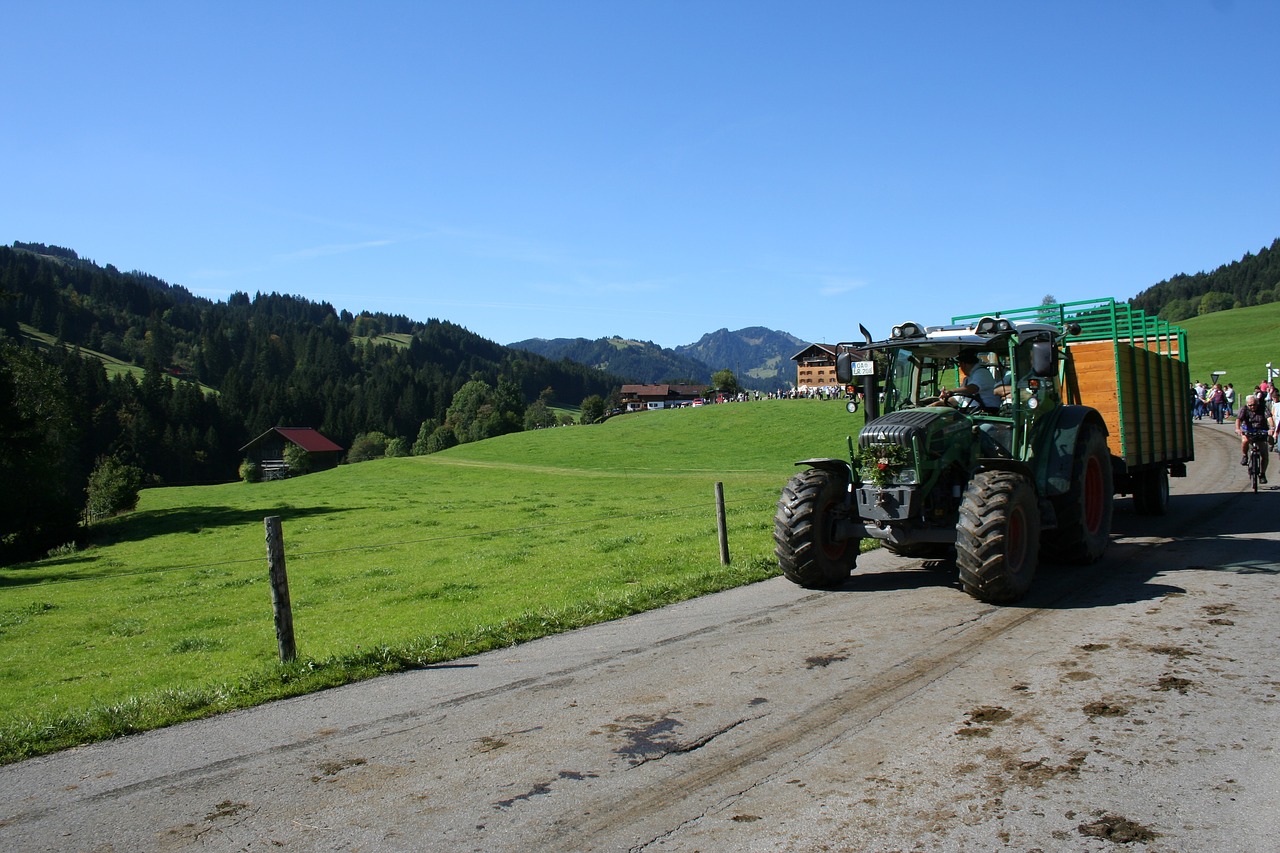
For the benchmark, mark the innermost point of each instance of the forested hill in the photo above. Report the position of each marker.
(1252, 280)
(272, 360)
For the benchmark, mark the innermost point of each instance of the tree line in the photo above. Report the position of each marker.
(1252, 280)
(213, 375)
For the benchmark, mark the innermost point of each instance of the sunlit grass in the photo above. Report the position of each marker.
(1241, 342)
(392, 564)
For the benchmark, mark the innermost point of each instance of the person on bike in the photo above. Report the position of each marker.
(1253, 418)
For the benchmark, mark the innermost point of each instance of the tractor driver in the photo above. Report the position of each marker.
(976, 381)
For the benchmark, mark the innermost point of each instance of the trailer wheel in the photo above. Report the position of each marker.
(1084, 512)
(998, 538)
(1151, 491)
(804, 526)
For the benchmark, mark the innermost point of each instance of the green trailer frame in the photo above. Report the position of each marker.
(1146, 402)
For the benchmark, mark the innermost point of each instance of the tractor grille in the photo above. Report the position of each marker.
(901, 427)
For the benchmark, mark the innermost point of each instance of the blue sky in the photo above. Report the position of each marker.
(655, 170)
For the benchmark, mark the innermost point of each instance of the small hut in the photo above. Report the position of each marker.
(268, 450)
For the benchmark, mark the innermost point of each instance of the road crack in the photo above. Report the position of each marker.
(652, 742)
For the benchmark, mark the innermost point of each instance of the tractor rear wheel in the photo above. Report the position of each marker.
(1084, 512)
(998, 538)
(804, 529)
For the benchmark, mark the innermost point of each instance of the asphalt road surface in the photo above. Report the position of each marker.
(1130, 705)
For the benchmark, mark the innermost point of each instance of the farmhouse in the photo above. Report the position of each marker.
(268, 450)
(637, 398)
(816, 366)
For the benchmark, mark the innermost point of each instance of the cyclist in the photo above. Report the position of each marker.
(1253, 418)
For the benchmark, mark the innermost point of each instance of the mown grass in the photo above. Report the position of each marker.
(402, 563)
(392, 564)
(1240, 341)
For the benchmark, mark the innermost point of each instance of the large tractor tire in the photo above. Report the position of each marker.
(1084, 512)
(803, 527)
(998, 538)
(1151, 491)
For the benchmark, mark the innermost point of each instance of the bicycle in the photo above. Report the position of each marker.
(1258, 447)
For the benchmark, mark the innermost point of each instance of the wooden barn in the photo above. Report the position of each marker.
(268, 450)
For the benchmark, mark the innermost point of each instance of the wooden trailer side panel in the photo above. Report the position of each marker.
(1142, 395)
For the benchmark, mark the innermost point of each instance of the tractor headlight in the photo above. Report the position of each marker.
(906, 477)
(907, 330)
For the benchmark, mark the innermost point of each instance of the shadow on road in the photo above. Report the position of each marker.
(1228, 532)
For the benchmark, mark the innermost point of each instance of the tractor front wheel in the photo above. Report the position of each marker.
(998, 538)
(804, 529)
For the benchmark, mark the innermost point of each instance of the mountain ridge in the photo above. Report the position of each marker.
(758, 356)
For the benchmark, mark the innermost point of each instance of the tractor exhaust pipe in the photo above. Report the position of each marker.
(870, 385)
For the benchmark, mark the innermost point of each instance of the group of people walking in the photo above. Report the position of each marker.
(1213, 401)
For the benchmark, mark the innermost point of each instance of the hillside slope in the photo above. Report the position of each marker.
(394, 563)
(1240, 342)
(1252, 280)
(273, 360)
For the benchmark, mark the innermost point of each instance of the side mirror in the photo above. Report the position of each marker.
(1042, 358)
(844, 368)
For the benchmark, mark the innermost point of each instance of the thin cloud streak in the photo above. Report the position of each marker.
(289, 258)
(836, 288)
(326, 251)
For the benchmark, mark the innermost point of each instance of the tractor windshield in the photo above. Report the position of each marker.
(914, 379)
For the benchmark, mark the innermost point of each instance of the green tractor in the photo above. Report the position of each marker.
(996, 482)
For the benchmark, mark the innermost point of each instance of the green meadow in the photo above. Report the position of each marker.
(396, 563)
(165, 615)
(1240, 341)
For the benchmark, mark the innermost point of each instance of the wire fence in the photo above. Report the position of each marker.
(686, 509)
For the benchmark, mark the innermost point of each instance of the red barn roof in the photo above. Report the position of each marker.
(664, 390)
(305, 437)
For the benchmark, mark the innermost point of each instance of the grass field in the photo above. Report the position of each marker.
(1241, 342)
(392, 564)
(402, 562)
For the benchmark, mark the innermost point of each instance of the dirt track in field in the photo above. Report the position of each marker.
(1132, 703)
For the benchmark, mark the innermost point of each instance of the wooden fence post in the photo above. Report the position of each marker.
(721, 528)
(280, 589)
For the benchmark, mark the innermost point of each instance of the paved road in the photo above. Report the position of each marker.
(1134, 701)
